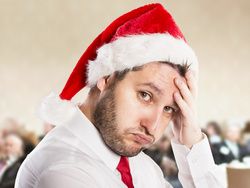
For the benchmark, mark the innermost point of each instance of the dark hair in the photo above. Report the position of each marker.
(216, 126)
(120, 75)
(247, 127)
(182, 69)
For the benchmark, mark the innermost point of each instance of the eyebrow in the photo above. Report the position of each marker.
(159, 91)
(152, 86)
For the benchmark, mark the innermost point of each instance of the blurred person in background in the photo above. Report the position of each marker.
(11, 125)
(213, 131)
(230, 148)
(246, 137)
(14, 148)
(214, 134)
(16, 142)
(3, 156)
(162, 154)
(159, 149)
(30, 140)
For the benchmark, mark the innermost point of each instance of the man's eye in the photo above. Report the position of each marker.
(145, 96)
(169, 109)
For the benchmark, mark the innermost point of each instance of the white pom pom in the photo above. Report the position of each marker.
(56, 111)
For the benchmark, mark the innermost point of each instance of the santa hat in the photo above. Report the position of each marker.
(141, 36)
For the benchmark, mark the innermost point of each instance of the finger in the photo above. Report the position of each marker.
(185, 92)
(192, 83)
(185, 110)
(177, 122)
(175, 129)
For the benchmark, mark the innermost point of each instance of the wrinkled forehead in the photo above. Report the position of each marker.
(157, 76)
(164, 73)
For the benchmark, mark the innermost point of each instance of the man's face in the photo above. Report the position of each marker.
(233, 133)
(132, 114)
(13, 145)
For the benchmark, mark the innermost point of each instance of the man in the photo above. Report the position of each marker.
(2, 151)
(213, 130)
(138, 72)
(14, 148)
(229, 149)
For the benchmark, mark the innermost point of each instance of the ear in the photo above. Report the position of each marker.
(102, 83)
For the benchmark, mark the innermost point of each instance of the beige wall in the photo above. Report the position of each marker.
(40, 42)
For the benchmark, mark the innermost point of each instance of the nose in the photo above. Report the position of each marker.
(151, 120)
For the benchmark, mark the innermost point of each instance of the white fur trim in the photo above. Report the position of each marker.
(56, 111)
(136, 50)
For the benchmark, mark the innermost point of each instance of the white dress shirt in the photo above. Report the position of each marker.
(73, 155)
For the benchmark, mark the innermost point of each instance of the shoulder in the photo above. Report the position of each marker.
(66, 175)
(77, 171)
(69, 175)
(57, 165)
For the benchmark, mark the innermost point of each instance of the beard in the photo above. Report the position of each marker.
(105, 120)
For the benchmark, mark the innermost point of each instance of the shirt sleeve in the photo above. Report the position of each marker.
(64, 179)
(196, 166)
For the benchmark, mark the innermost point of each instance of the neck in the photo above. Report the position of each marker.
(88, 107)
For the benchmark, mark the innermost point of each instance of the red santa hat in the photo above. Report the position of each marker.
(141, 36)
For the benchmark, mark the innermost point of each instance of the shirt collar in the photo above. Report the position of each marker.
(85, 131)
(228, 142)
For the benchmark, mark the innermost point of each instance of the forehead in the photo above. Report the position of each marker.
(13, 139)
(161, 75)
(233, 129)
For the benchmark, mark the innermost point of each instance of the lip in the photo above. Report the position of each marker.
(143, 139)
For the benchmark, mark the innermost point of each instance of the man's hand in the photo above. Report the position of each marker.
(186, 128)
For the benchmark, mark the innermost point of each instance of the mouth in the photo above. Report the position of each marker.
(143, 139)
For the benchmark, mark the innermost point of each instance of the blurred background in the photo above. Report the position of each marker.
(41, 41)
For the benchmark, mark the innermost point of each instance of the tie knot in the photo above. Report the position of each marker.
(123, 165)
